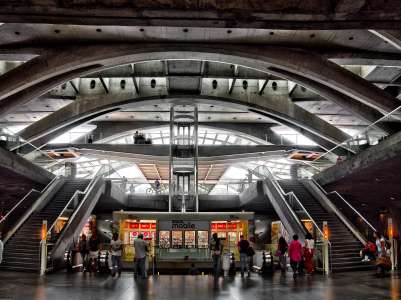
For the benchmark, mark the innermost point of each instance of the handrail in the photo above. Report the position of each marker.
(363, 131)
(346, 202)
(73, 199)
(280, 192)
(27, 194)
(293, 195)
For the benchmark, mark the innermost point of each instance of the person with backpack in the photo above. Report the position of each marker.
(243, 248)
(295, 253)
(216, 248)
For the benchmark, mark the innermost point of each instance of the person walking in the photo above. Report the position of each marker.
(309, 251)
(216, 248)
(116, 247)
(243, 248)
(282, 253)
(295, 253)
(140, 256)
(83, 250)
(93, 253)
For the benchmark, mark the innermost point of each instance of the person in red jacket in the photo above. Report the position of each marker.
(295, 253)
(369, 251)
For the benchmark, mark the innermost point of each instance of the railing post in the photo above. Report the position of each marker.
(326, 260)
(43, 248)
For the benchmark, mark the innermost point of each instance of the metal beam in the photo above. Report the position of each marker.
(104, 84)
(236, 70)
(263, 86)
(74, 87)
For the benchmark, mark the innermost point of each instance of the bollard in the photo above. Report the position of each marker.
(326, 261)
(43, 249)
(232, 271)
(393, 245)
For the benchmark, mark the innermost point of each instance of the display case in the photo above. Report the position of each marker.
(176, 239)
(190, 239)
(164, 239)
(203, 239)
(229, 233)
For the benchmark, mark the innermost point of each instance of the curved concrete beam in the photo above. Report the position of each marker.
(63, 62)
(360, 110)
(282, 110)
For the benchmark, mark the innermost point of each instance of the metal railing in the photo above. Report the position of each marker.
(346, 202)
(3, 219)
(294, 204)
(369, 136)
(74, 201)
(293, 200)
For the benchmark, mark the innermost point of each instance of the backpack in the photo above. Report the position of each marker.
(250, 251)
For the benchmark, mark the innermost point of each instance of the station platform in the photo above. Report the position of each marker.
(84, 286)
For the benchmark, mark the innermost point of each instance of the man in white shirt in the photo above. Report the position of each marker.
(140, 255)
(116, 252)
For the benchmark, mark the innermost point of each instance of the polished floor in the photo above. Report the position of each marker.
(78, 286)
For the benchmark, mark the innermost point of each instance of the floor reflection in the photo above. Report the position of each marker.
(281, 286)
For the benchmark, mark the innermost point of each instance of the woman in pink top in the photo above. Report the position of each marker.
(295, 253)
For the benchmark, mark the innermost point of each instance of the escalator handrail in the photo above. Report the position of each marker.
(76, 194)
(290, 194)
(26, 196)
(346, 202)
(282, 196)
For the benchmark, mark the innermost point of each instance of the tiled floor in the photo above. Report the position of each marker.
(61, 286)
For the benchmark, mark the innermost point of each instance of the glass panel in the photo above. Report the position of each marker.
(203, 239)
(176, 239)
(164, 239)
(189, 239)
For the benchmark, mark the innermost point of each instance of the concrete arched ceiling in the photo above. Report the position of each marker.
(283, 110)
(56, 66)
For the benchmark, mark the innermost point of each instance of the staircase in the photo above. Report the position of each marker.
(345, 246)
(21, 252)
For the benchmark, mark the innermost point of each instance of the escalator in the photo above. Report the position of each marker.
(345, 243)
(74, 201)
(296, 200)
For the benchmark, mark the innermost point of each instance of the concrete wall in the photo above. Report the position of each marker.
(24, 167)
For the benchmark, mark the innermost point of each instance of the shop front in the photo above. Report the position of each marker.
(181, 237)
